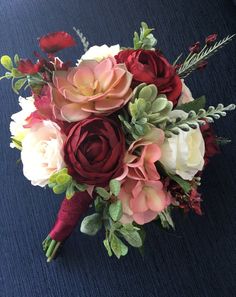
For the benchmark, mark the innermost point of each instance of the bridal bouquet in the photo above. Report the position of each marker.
(119, 132)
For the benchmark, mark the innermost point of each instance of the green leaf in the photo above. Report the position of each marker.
(62, 179)
(70, 191)
(16, 59)
(118, 247)
(194, 105)
(20, 83)
(166, 219)
(107, 246)
(59, 189)
(132, 237)
(99, 204)
(115, 210)
(185, 185)
(114, 187)
(91, 224)
(6, 62)
(80, 187)
(16, 73)
(103, 193)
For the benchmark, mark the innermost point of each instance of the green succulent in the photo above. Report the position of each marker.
(148, 105)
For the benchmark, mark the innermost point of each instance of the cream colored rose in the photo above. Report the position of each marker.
(19, 119)
(99, 53)
(183, 154)
(42, 152)
(186, 95)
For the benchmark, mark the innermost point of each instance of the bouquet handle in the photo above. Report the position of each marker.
(67, 218)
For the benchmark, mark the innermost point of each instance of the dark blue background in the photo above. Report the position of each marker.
(199, 259)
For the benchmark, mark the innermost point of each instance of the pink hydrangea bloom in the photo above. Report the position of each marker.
(143, 167)
(142, 201)
(90, 88)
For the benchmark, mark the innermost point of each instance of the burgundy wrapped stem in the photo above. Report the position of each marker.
(68, 216)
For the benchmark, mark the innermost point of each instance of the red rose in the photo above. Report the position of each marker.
(152, 67)
(94, 151)
(211, 146)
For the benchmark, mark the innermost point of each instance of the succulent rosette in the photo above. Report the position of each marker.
(119, 130)
(90, 88)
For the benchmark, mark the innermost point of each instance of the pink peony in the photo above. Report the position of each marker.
(91, 88)
(142, 201)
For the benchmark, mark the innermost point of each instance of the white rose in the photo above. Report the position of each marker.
(19, 119)
(42, 152)
(186, 95)
(99, 53)
(183, 154)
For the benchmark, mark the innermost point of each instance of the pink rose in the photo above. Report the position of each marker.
(91, 88)
(142, 201)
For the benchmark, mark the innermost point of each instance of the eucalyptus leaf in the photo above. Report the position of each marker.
(91, 224)
(107, 246)
(132, 237)
(115, 210)
(118, 247)
(114, 187)
(103, 193)
(166, 219)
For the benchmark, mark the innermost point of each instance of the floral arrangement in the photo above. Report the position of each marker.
(119, 133)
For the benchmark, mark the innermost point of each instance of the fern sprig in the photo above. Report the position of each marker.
(192, 63)
(193, 120)
(82, 38)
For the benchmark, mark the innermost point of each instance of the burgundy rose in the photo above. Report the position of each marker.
(94, 151)
(211, 146)
(152, 67)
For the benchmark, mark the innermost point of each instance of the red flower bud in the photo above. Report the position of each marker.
(202, 65)
(195, 48)
(211, 39)
(26, 66)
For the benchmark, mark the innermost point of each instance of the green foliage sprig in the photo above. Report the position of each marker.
(146, 109)
(166, 219)
(194, 60)
(18, 79)
(61, 182)
(82, 38)
(108, 212)
(145, 40)
(192, 120)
